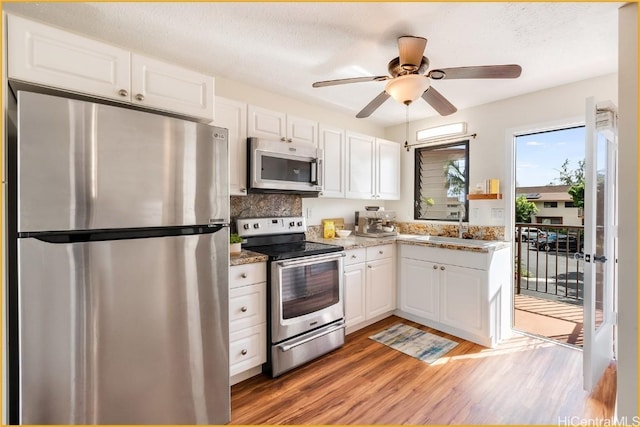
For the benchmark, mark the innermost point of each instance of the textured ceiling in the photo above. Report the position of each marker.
(284, 47)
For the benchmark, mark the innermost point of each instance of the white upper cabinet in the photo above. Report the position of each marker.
(232, 115)
(156, 84)
(387, 169)
(373, 168)
(360, 166)
(48, 56)
(333, 143)
(265, 123)
(55, 58)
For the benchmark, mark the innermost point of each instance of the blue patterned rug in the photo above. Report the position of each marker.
(414, 342)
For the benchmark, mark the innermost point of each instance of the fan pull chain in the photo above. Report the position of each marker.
(406, 124)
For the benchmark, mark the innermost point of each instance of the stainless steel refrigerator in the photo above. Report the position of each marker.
(118, 280)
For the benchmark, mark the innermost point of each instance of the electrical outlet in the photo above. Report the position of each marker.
(497, 213)
(309, 213)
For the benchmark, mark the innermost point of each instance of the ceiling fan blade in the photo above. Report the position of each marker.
(373, 105)
(351, 80)
(510, 71)
(411, 51)
(438, 102)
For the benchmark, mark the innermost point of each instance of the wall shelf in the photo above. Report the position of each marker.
(484, 196)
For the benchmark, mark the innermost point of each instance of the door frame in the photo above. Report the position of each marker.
(509, 197)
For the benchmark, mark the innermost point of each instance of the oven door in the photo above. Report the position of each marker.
(306, 294)
(277, 165)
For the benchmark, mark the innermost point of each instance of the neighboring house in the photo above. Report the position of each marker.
(554, 204)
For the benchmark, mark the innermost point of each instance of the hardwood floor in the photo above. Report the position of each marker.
(523, 381)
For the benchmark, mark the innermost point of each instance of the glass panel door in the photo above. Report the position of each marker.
(600, 239)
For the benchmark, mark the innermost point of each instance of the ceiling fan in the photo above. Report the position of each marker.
(408, 81)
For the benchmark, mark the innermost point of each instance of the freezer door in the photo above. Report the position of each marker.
(124, 332)
(91, 166)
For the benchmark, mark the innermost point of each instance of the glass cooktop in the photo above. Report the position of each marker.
(295, 249)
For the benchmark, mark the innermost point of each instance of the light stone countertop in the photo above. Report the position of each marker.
(247, 257)
(357, 242)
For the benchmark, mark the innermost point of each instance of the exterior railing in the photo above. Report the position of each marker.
(546, 262)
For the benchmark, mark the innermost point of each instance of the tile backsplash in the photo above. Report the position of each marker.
(261, 205)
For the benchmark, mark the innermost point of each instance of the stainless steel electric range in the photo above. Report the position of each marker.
(305, 309)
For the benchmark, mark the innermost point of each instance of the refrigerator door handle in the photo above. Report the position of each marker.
(78, 236)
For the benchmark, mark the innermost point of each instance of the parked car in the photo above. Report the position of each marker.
(530, 234)
(554, 241)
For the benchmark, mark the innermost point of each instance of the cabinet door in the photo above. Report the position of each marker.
(387, 169)
(360, 166)
(47, 56)
(156, 84)
(263, 123)
(332, 142)
(302, 130)
(233, 116)
(419, 281)
(462, 301)
(354, 294)
(380, 292)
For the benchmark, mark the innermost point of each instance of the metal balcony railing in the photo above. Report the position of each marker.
(545, 261)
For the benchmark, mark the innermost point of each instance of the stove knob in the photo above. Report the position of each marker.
(246, 226)
(256, 225)
(299, 223)
(292, 223)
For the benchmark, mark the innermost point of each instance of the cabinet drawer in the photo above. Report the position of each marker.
(247, 348)
(379, 252)
(355, 256)
(247, 274)
(247, 306)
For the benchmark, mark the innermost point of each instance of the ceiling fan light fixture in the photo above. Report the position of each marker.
(408, 88)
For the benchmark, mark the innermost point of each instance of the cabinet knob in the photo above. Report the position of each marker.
(243, 190)
(283, 139)
(381, 252)
(353, 257)
(289, 140)
(243, 275)
(435, 267)
(442, 267)
(244, 352)
(140, 97)
(244, 309)
(123, 92)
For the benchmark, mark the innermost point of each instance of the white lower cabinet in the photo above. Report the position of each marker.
(247, 320)
(369, 285)
(463, 293)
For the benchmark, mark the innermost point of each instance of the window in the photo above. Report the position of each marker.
(550, 204)
(569, 205)
(442, 182)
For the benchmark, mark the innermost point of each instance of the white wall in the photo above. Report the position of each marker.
(488, 156)
(627, 404)
(317, 209)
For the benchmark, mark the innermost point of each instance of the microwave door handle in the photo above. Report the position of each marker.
(316, 172)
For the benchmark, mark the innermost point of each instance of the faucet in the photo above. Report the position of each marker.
(461, 212)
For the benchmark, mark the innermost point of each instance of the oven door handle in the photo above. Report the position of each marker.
(312, 336)
(312, 259)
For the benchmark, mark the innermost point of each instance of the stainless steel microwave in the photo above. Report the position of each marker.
(284, 167)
